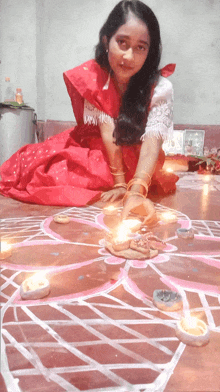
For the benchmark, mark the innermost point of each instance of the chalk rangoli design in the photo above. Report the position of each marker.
(74, 327)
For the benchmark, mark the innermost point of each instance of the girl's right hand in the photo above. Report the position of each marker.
(140, 206)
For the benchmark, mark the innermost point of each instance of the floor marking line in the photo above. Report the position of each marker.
(109, 341)
(74, 351)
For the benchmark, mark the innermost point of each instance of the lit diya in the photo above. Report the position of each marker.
(35, 287)
(192, 331)
(123, 242)
(110, 210)
(5, 250)
(168, 217)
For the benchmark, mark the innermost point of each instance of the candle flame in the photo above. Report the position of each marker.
(169, 170)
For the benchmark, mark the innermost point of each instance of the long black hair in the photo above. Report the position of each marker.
(132, 117)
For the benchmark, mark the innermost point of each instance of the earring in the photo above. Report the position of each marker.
(106, 50)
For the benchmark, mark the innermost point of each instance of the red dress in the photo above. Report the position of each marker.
(71, 169)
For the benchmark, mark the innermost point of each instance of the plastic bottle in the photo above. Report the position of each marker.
(19, 96)
(9, 94)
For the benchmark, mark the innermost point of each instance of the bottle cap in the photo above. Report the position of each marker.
(18, 90)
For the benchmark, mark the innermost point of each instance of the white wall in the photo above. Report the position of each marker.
(18, 47)
(43, 38)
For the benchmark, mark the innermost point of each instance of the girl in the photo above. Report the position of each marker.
(123, 106)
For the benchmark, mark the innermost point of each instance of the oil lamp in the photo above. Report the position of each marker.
(120, 240)
(167, 300)
(192, 331)
(5, 250)
(61, 218)
(35, 287)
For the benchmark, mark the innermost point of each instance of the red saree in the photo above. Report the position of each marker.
(71, 169)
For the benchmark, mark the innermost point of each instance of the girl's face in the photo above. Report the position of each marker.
(128, 49)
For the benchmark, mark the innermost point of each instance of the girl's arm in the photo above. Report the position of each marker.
(159, 127)
(145, 168)
(115, 161)
(147, 161)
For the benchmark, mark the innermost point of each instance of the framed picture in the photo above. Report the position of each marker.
(194, 142)
(176, 145)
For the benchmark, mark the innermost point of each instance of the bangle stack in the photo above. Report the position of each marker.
(120, 185)
(114, 171)
(138, 181)
(132, 193)
(118, 173)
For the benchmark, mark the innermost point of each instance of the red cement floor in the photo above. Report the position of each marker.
(98, 329)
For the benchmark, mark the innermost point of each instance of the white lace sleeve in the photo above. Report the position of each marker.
(94, 116)
(160, 117)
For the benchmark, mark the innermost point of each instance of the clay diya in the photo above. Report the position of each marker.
(35, 287)
(5, 250)
(167, 300)
(192, 331)
(119, 239)
(185, 233)
(120, 236)
(61, 219)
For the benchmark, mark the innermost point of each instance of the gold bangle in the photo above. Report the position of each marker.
(135, 194)
(138, 181)
(120, 185)
(118, 174)
(146, 174)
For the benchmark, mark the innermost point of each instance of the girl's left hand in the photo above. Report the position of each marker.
(113, 194)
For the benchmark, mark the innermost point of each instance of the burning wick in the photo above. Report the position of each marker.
(168, 217)
(35, 287)
(206, 178)
(192, 331)
(110, 210)
(5, 250)
(120, 239)
(120, 236)
(130, 225)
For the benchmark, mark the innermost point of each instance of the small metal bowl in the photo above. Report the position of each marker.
(186, 234)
